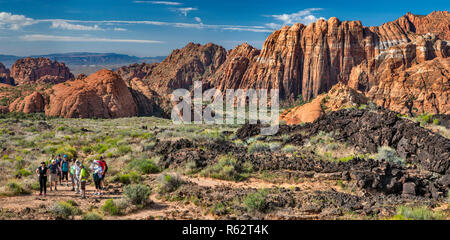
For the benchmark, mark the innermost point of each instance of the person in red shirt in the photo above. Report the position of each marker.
(104, 166)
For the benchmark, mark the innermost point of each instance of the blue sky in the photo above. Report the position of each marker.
(155, 28)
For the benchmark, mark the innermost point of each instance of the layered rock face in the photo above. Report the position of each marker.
(33, 103)
(5, 75)
(408, 78)
(102, 95)
(309, 60)
(39, 70)
(181, 68)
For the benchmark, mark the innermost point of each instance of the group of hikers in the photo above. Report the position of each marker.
(60, 168)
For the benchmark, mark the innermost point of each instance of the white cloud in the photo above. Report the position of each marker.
(197, 19)
(247, 29)
(14, 22)
(185, 11)
(161, 3)
(68, 26)
(118, 29)
(304, 16)
(54, 38)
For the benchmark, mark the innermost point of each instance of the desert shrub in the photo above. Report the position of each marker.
(274, 146)
(416, 213)
(100, 148)
(169, 182)
(219, 209)
(388, 154)
(125, 179)
(92, 216)
(23, 173)
(436, 122)
(425, 119)
(289, 148)
(228, 169)
(86, 149)
(191, 167)
(138, 194)
(131, 177)
(239, 143)
(258, 147)
(70, 151)
(345, 159)
(65, 210)
(146, 165)
(16, 188)
(256, 201)
(110, 208)
(123, 149)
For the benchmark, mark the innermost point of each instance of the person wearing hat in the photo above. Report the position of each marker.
(42, 172)
(65, 166)
(53, 169)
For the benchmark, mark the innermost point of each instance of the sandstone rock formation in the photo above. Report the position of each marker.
(340, 96)
(181, 68)
(408, 78)
(5, 75)
(127, 73)
(33, 103)
(309, 60)
(39, 70)
(102, 95)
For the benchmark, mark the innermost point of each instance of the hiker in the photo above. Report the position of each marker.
(65, 170)
(83, 180)
(73, 169)
(58, 163)
(53, 174)
(105, 169)
(49, 161)
(42, 172)
(97, 176)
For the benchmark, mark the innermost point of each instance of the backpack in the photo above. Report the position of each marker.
(53, 168)
(65, 166)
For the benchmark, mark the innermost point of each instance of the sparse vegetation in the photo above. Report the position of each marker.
(65, 210)
(388, 154)
(416, 213)
(256, 201)
(227, 168)
(169, 182)
(138, 194)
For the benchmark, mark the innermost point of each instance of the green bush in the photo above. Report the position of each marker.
(169, 182)
(125, 179)
(219, 209)
(228, 169)
(436, 122)
(65, 210)
(16, 188)
(256, 201)
(146, 166)
(289, 148)
(425, 119)
(416, 213)
(123, 149)
(388, 154)
(92, 216)
(23, 173)
(138, 194)
(258, 147)
(110, 208)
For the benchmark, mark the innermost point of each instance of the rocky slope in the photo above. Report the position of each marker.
(101, 95)
(39, 70)
(127, 73)
(340, 96)
(181, 68)
(33, 103)
(5, 75)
